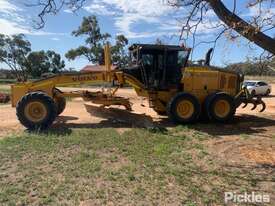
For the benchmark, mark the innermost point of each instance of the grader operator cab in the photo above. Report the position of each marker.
(158, 72)
(157, 66)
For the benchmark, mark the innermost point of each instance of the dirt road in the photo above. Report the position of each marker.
(80, 114)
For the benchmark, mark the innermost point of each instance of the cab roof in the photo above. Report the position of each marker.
(158, 47)
(254, 81)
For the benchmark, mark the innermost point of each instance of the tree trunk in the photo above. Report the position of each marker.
(242, 27)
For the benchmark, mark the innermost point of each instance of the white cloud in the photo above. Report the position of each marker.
(69, 11)
(7, 7)
(55, 39)
(128, 13)
(264, 11)
(153, 18)
(14, 21)
(99, 9)
(10, 20)
(10, 28)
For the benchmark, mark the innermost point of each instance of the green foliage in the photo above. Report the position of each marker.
(94, 43)
(118, 52)
(56, 64)
(40, 62)
(37, 63)
(13, 52)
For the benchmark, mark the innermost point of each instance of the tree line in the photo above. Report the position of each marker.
(16, 52)
(254, 67)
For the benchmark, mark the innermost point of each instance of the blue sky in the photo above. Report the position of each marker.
(139, 20)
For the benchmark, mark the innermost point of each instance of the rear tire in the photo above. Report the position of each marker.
(220, 107)
(36, 110)
(184, 108)
(204, 112)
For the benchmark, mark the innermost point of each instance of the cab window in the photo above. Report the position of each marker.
(148, 59)
(182, 58)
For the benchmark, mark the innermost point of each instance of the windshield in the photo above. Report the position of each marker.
(178, 58)
(249, 83)
(182, 58)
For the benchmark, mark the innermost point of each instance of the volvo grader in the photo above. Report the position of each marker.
(160, 73)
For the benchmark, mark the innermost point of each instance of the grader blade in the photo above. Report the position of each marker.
(259, 101)
(263, 106)
(254, 106)
(255, 102)
(244, 106)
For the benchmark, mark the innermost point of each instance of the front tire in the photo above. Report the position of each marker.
(184, 108)
(36, 110)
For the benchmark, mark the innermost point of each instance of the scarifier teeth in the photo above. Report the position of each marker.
(254, 106)
(264, 106)
(244, 106)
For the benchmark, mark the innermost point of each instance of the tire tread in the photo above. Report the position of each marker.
(40, 96)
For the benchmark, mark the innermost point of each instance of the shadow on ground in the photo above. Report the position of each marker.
(241, 124)
(269, 96)
(118, 118)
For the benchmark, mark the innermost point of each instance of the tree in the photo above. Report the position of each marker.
(55, 61)
(159, 41)
(255, 67)
(93, 43)
(13, 52)
(37, 63)
(40, 62)
(253, 30)
(118, 52)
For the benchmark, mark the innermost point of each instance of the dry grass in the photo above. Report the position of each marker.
(104, 167)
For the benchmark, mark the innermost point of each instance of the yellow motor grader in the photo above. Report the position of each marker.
(159, 73)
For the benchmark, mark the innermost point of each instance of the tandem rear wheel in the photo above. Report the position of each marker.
(219, 107)
(184, 108)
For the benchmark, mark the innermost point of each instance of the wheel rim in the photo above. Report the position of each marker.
(185, 109)
(222, 108)
(35, 111)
